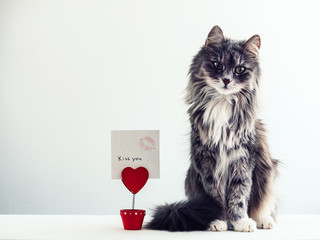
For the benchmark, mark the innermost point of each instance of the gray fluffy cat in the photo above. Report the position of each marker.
(231, 175)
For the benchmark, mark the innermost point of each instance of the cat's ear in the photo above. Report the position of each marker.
(252, 45)
(215, 36)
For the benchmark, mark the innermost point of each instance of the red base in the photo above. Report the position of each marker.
(132, 219)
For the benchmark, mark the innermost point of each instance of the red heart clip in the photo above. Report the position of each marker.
(134, 179)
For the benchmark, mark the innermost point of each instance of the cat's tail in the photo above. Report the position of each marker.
(194, 214)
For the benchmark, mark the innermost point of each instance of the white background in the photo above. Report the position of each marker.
(72, 71)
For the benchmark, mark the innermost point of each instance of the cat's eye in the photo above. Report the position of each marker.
(218, 65)
(240, 69)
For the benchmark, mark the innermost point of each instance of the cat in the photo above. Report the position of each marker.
(231, 176)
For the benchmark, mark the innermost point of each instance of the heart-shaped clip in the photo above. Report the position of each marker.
(134, 179)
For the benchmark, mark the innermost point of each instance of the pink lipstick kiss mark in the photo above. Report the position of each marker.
(147, 143)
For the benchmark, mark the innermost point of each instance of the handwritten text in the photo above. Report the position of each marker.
(129, 159)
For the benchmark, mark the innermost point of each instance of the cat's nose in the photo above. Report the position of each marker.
(226, 81)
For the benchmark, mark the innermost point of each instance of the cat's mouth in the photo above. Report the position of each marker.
(226, 90)
(221, 87)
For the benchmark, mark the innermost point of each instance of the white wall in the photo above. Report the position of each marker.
(71, 71)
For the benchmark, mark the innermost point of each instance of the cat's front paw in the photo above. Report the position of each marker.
(218, 225)
(266, 223)
(244, 225)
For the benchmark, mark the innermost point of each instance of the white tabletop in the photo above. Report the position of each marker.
(110, 227)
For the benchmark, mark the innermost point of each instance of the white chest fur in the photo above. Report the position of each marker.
(216, 116)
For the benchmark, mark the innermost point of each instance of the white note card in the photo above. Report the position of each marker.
(135, 148)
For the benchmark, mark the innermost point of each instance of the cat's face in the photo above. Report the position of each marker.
(230, 66)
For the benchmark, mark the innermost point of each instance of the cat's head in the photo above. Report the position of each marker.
(226, 65)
